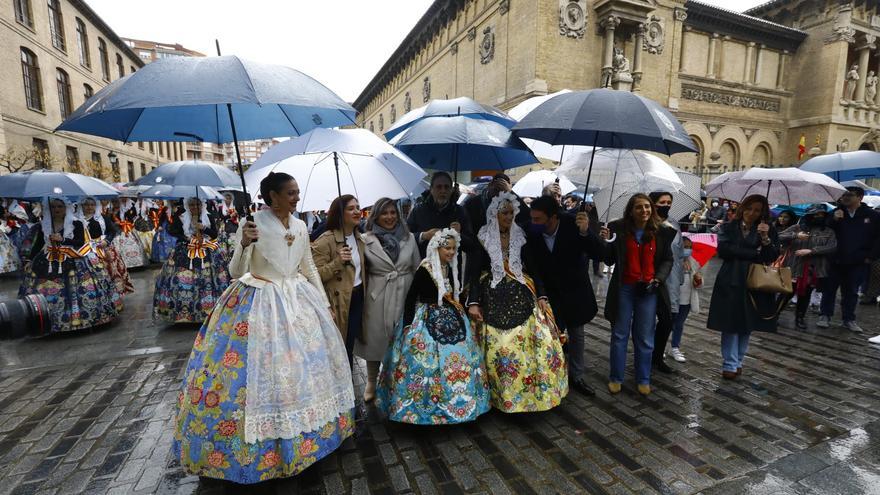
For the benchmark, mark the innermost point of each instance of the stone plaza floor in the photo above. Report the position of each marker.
(92, 413)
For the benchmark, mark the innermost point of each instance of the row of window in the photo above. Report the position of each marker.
(41, 149)
(24, 15)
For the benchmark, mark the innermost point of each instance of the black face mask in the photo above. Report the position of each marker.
(817, 221)
(663, 211)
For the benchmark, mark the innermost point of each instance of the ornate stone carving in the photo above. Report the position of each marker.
(842, 33)
(611, 21)
(504, 7)
(729, 99)
(407, 102)
(372, 129)
(472, 33)
(852, 80)
(621, 78)
(572, 18)
(843, 146)
(381, 122)
(453, 47)
(392, 115)
(487, 46)
(426, 90)
(871, 88)
(680, 15)
(655, 36)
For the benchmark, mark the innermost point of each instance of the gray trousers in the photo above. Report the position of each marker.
(576, 343)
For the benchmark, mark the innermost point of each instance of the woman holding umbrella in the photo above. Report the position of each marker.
(195, 275)
(524, 359)
(267, 391)
(641, 247)
(433, 371)
(392, 257)
(809, 246)
(102, 232)
(734, 310)
(79, 293)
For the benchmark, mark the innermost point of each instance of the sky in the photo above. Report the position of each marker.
(341, 43)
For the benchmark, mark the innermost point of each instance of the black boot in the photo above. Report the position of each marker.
(800, 322)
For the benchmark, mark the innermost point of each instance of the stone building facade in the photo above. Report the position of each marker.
(55, 54)
(746, 86)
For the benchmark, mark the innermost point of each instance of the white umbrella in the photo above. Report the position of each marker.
(330, 162)
(540, 148)
(782, 186)
(532, 184)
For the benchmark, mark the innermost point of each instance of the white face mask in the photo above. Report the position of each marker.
(687, 252)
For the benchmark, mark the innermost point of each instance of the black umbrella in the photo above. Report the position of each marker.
(606, 118)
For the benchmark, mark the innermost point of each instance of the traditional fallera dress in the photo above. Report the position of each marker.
(79, 292)
(433, 371)
(9, 259)
(228, 226)
(194, 276)
(524, 358)
(144, 228)
(127, 242)
(267, 391)
(163, 242)
(102, 233)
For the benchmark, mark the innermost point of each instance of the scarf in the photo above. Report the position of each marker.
(390, 239)
(435, 267)
(490, 237)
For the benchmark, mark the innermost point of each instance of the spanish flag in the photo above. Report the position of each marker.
(802, 147)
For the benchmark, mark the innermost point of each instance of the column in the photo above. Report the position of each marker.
(759, 62)
(684, 36)
(710, 67)
(637, 58)
(780, 70)
(750, 49)
(864, 59)
(610, 24)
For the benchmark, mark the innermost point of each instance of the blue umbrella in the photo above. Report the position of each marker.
(462, 143)
(607, 118)
(38, 184)
(449, 108)
(181, 192)
(849, 165)
(216, 99)
(190, 173)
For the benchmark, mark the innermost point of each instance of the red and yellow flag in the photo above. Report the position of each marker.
(802, 147)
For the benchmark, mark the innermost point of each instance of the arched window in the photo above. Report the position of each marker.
(762, 156)
(87, 91)
(729, 154)
(105, 59)
(23, 13)
(64, 101)
(30, 74)
(56, 25)
(82, 41)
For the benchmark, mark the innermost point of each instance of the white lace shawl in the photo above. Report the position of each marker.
(97, 216)
(490, 236)
(46, 222)
(435, 268)
(186, 218)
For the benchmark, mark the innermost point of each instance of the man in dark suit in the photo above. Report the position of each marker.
(561, 246)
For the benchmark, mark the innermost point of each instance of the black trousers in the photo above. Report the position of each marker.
(662, 331)
(803, 302)
(355, 321)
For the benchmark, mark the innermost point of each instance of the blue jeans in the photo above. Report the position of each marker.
(635, 313)
(733, 349)
(678, 325)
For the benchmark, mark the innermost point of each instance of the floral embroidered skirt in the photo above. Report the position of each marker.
(116, 270)
(186, 293)
(146, 238)
(209, 437)
(433, 372)
(81, 296)
(22, 239)
(130, 249)
(227, 245)
(526, 366)
(9, 260)
(162, 246)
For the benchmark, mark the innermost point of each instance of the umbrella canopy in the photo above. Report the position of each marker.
(783, 186)
(540, 148)
(705, 246)
(190, 173)
(532, 184)
(448, 108)
(163, 191)
(872, 201)
(861, 164)
(462, 143)
(185, 99)
(857, 183)
(327, 162)
(606, 118)
(37, 184)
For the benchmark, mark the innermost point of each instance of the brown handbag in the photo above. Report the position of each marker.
(770, 279)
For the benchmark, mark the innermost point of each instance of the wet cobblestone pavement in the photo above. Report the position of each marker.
(91, 413)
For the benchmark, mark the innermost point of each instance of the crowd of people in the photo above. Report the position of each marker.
(455, 308)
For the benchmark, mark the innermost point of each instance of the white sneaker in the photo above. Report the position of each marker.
(678, 355)
(852, 326)
(875, 339)
(824, 322)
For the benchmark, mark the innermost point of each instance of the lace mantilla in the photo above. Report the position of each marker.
(490, 237)
(435, 268)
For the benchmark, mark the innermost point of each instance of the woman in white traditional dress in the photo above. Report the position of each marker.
(102, 231)
(126, 241)
(267, 391)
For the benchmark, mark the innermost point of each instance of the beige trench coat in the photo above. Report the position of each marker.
(337, 277)
(383, 303)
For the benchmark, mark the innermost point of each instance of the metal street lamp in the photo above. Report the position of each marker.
(114, 160)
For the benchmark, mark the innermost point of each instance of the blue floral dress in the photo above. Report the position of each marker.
(433, 371)
(163, 243)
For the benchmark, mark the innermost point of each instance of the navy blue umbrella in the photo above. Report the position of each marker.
(161, 191)
(462, 143)
(606, 118)
(38, 184)
(449, 108)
